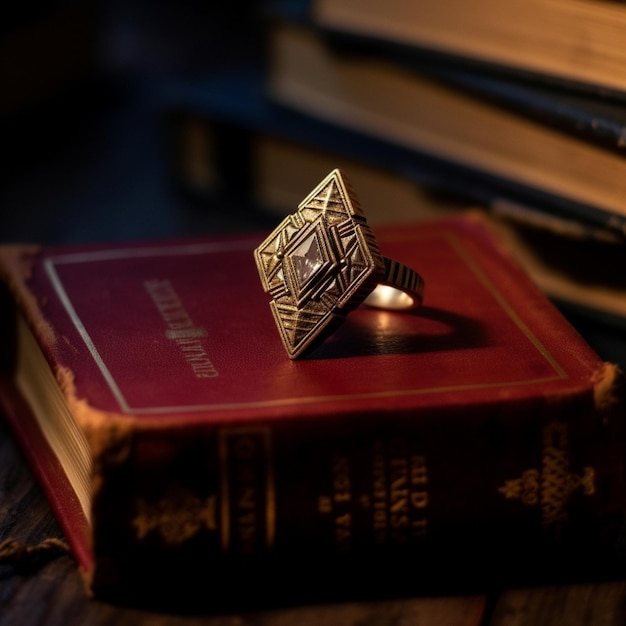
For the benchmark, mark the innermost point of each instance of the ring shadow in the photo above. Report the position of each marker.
(362, 336)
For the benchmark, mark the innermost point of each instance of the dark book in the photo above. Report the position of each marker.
(597, 117)
(232, 109)
(270, 173)
(577, 44)
(228, 137)
(186, 455)
(391, 103)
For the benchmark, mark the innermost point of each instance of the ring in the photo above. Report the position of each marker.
(322, 262)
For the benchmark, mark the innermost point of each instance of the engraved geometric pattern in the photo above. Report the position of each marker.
(319, 264)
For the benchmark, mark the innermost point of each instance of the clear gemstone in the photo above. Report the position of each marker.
(306, 259)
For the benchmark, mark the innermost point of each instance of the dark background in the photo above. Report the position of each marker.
(84, 127)
(83, 115)
(86, 153)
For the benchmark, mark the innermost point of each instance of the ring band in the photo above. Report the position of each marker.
(400, 289)
(322, 262)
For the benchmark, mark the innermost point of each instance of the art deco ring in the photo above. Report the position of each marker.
(322, 262)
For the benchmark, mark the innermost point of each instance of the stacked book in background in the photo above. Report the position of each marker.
(518, 108)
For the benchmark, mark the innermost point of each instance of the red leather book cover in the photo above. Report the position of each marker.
(482, 419)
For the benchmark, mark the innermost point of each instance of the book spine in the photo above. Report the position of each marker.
(505, 479)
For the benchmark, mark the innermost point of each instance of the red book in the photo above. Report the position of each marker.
(184, 439)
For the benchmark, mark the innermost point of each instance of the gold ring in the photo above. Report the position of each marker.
(322, 262)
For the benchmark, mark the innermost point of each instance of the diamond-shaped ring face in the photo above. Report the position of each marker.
(319, 264)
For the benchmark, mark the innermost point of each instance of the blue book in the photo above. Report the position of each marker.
(575, 43)
(241, 101)
(594, 115)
